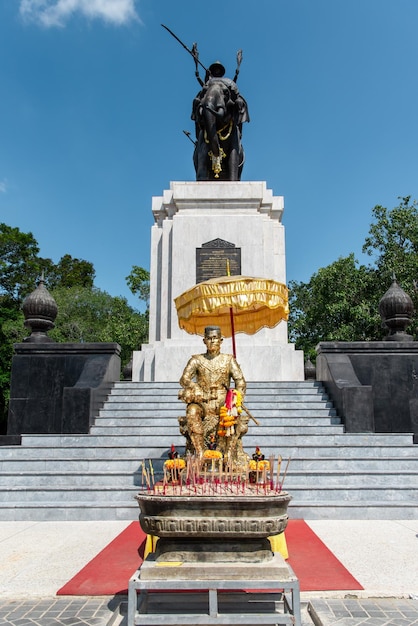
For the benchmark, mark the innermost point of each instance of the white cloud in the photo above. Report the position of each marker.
(3, 186)
(51, 13)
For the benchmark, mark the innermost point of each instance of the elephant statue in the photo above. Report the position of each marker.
(219, 112)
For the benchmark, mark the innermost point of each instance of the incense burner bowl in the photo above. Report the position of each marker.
(230, 516)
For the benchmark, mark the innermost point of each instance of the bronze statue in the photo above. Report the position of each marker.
(205, 381)
(219, 112)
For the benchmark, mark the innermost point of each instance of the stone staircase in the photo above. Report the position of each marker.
(331, 475)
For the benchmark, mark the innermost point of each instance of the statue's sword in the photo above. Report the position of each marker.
(185, 47)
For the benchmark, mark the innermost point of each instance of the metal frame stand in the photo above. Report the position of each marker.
(280, 600)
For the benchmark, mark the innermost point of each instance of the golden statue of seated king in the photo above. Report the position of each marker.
(214, 418)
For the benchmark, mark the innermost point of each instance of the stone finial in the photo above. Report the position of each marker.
(40, 311)
(396, 310)
(310, 370)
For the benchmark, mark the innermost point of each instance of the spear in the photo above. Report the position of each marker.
(186, 132)
(185, 47)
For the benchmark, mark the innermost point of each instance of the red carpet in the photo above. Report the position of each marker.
(315, 566)
(108, 573)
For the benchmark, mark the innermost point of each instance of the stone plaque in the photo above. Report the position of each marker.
(212, 260)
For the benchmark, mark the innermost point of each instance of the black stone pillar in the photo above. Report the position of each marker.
(59, 387)
(374, 384)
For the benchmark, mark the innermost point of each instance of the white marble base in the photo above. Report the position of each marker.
(188, 215)
(165, 361)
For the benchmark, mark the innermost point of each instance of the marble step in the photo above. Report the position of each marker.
(353, 477)
(278, 436)
(126, 493)
(173, 385)
(73, 511)
(158, 446)
(171, 414)
(121, 435)
(32, 479)
(160, 399)
(393, 477)
(262, 431)
(120, 463)
(172, 428)
(95, 476)
(250, 399)
(252, 389)
(170, 420)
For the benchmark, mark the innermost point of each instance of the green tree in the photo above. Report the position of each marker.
(70, 272)
(89, 315)
(337, 304)
(11, 331)
(20, 264)
(138, 283)
(340, 302)
(393, 244)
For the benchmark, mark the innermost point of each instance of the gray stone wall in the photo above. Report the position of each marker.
(374, 385)
(58, 388)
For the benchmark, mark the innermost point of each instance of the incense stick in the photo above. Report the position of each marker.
(285, 472)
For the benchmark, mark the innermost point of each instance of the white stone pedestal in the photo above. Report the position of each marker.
(190, 214)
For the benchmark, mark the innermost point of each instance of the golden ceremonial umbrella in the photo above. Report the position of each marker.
(238, 304)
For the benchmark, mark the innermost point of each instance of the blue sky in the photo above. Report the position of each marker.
(95, 95)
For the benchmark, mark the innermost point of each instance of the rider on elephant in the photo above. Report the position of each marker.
(236, 103)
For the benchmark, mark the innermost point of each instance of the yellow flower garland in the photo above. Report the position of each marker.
(212, 454)
(254, 466)
(175, 464)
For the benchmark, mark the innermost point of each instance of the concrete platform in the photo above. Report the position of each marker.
(37, 558)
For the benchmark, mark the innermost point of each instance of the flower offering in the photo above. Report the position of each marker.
(258, 466)
(177, 464)
(229, 412)
(212, 454)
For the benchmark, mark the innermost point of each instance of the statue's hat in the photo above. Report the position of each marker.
(217, 67)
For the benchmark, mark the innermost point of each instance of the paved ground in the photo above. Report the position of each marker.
(58, 611)
(37, 558)
(366, 611)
